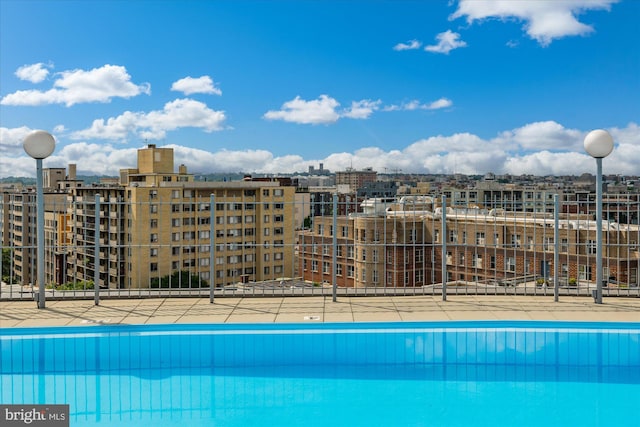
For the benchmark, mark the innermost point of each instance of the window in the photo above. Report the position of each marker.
(492, 262)
(339, 251)
(374, 255)
(592, 247)
(153, 266)
(154, 223)
(175, 222)
(453, 236)
(564, 245)
(419, 255)
(345, 231)
(267, 231)
(153, 194)
(548, 244)
(326, 250)
(278, 218)
(320, 229)
(175, 250)
(480, 238)
(265, 192)
(153, 252)
(278, 206)
(203, 234)
(584, 272)
(350, 271)
(364, 254)
(153, 208)
(153, 237)
(516, 241)
(326, 268)
(339, 269)
(175, 194)
(204, 262)
(477, 261)
(350, 251)
(175, 237)
(510, 264)
(374, 276)
(314, 265)
(278, 192)
(419, 277)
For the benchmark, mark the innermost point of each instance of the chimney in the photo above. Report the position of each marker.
(72, 171)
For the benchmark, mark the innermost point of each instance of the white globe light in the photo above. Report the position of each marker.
(598, 143)
(39, 144)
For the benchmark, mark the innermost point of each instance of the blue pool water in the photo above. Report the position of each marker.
(372, 374)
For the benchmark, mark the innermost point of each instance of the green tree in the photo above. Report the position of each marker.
(179, 279)
(6, 264)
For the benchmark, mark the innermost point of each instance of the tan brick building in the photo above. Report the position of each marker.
(404, 245)
(158, 222)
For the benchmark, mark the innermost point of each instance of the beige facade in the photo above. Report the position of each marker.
(158, 222)
(406, 248)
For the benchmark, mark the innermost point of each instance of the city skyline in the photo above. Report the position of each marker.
(268, 87)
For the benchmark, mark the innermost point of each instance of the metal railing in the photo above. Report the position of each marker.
(105, 247)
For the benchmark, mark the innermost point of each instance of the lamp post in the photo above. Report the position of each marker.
(599, 144)
(39, 145)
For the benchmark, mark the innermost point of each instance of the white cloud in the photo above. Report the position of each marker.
(190, 85)
(80, 86)
(34, 73)
(417, 105)
(539, 136)
(361, 109)
(317, 111)
(410, 45)
(541, 148)
(11, 140)
(447, 41)
(544, 21)
(176, 114)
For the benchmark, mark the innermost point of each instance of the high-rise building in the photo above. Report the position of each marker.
(158, 222)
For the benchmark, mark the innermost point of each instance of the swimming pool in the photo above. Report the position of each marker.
(368, 374)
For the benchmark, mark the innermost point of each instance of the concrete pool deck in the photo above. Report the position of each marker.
(315, 309)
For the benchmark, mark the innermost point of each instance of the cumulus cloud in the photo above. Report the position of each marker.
(447, 41)
(176, 114)
(317, 111)
(540, 148)
(191, 85)
(410, 45)
(544, 21)
(34, 73)
(324, 110)
(82, 86)
(11, 140)
(361, 109)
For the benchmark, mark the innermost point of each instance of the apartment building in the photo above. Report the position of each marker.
(157, 222)
(354, 178)
(407, 243)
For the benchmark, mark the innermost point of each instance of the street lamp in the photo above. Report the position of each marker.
(39, 145)
(598, 144)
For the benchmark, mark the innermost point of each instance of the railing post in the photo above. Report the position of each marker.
(444, 248)
(212, 269)
(556, 245)
(96, 255)
(335, 247)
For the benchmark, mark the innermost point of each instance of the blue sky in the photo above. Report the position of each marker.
(267, 87)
